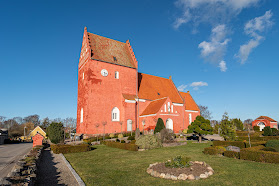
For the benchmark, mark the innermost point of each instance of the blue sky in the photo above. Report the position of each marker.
(224, 52)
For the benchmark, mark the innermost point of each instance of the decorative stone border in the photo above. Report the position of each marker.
(181, 176)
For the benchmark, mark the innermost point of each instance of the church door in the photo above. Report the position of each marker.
(169, 124)
(129, 125)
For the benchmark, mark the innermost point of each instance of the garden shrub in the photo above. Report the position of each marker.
(214, 150)
(120, 136)
(185, 131)
(159, 126)
(267, 131)
(254, 143)
(133, 142)
(148, 142)
(256, 128)
(57, 149)
(257, 138)
(125, 146)
(178, 162)
(167, 135)
(111, 135)
(55, 132)
(131, 138)
(273, 143)
(274, 132)
(269, 149)
(239, 144)
(137, 133)
(258, 154)
(232, 154)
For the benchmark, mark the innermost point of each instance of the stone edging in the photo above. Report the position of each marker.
(181, 176)
(79, 180)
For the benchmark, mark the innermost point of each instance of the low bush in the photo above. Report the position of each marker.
(254, 143)
(125, 146)
(131, 138)
(256, 128)
(120, 136)
(64, 149)
(269, 149)
(273, 144)
(133, 142)
(214, 150)
(167, 135)
(258, 154)
(258, 138)
(239, 144)
(149, 142)
(232, 154)
(178, 162)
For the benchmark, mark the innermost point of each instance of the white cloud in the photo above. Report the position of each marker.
(210, 11)
(182, 88)
(215, 49)
(253, 28)
(198, 84)
(223, 66)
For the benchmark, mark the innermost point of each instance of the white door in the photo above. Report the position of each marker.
(261, 125)
(169, 124)
(129, 125)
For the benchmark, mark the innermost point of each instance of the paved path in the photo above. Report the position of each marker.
(52, 170)
(10, 154)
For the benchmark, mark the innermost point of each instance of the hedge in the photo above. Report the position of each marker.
(273, 144)
(239, 144)
(259, 155)
(57, 149)
(126, 146)
(214, 150)
(232, 154)
(257, 138)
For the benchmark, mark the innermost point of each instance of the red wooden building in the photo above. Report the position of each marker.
(113, 96)
(264, 121)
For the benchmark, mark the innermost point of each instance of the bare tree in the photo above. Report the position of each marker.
(205, 112)
(104, 123)
(121, 123)
(2, 119)
(97, 126)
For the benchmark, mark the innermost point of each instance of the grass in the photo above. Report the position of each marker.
(111, 166)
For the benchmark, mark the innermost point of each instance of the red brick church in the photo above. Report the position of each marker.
(113, 96)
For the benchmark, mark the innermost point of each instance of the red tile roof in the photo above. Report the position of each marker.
(109, 50)
(190, 103)
(154, 107)
(154, 87)
(129, 96)
(268, 118)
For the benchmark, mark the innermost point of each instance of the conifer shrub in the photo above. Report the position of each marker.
(179, 162)
(267, 131)
(159, 126)
(273, 144)
(148, 142)
(55, 132)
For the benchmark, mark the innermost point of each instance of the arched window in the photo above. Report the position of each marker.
(81, 115)
(116, 75)
(115, 114)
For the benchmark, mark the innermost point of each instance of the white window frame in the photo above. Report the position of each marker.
(115, 114)
(165, 108)
(81, 115)
(116, 75)
(190, 119)
(83, 75)
(171, 108)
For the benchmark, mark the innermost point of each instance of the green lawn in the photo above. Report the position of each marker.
(111, 166)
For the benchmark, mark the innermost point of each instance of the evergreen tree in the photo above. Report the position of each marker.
(55, 132)
(237, 123)
(201, 127)
(227, 128)
(159, 126)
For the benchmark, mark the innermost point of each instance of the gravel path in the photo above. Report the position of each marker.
(52, 170)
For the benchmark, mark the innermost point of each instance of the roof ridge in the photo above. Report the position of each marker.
(153, 75)
(159, 99)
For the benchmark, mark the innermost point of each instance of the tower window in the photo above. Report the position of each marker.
(83, 75)
(115, 114)
(116, 75)
(81, 115)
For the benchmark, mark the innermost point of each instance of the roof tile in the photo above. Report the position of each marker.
(190, 103)
(154, 107)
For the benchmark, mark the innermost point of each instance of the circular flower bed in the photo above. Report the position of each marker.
(195, 171)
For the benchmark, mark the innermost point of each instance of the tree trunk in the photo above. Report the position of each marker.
(200, 138)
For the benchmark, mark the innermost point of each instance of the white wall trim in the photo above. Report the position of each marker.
(170, 114)
(178, 104)
(130, 101)
(148, 115)
(142, 100)
(191, 111)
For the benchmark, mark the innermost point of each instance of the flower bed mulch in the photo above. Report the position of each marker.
(196, 171)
